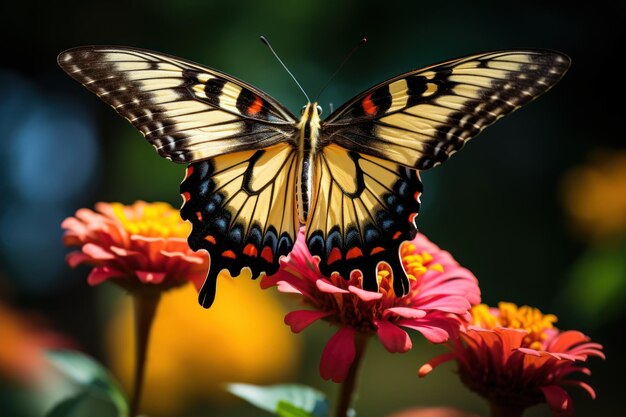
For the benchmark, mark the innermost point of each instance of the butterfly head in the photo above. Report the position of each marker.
(310, 107)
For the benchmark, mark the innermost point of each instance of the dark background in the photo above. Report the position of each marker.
(496, 206)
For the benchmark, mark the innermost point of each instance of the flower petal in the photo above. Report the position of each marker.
(435, 362)
(97, 252)
(300, 319)
(405, 312)
(432, 333)
(101, 274)
(338, 355)
(393, 338)
(324, 286)
(558, 400)
(365, 295)
(150, 276)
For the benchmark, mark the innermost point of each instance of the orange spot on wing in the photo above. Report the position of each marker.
(250, 250)
(397, 235)
(210, 239)
(368, 105)
(267, 254)
(229, 254)
(417, 195)
(412, 217)
(199, 215)
(188, 171)
(255, 107)
(376, 250)
(334, 256)
(354, 253)
(186, 196)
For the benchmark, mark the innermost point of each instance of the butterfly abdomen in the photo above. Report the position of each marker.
(309, 126)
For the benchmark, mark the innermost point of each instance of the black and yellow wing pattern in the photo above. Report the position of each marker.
(374, 146)
(237, 139)
(246, 151)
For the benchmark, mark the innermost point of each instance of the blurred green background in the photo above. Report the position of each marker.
(507, 207)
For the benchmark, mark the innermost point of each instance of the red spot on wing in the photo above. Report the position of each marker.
(334, 256)
(256, 106)
(354, 253)
(229, 254)
(199, 215)
(267, 254)
(412, 217)
(188, 171)
(376, 250)
(250, 250)
(417, 195)
(368, 105)
(397, 235)
(186, 196)
(210, 239)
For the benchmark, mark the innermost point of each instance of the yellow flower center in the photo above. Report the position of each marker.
(151, 220)
(415, 263)
(511, 316)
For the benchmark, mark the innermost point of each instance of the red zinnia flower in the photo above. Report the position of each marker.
(144, 244)
(441, 294)
(515, 358)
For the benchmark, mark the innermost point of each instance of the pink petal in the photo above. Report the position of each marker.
(431, 332)
(451, 304)
(558, 400)
(584, 386)
(406, 312)
(97, 252)
(101, 274)
(393, 338)
(287, 288)
(76, 258)
(338, 355)
(435, 362)
(325, 286)
(150, 277)
(300, 319)
(365, 295)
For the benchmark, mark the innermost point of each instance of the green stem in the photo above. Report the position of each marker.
(145, 306)
(496, 410)
(348, 387)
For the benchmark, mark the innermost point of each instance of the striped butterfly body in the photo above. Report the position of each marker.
(257, 173)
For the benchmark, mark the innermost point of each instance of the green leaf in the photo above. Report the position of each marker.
(281, 399)
(96, 389)
(285, 409)
(85, 404)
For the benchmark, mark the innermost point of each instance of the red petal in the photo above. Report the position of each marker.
(338, 355)
(393, 338)
(435, 362)
(300, 319)
(558, 400)
(101, 274)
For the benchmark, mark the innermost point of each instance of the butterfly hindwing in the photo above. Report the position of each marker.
(364, 209)
(243, 212)
(186, 111)
(420, 118)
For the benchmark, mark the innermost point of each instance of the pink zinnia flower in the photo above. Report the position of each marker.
(441, 294)
(140, 246)
(515, 358)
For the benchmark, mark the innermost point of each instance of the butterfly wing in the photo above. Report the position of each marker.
(186, 111)
(368, 186)
(242, 208)
(364, 209)
(420, 118)
(239, 189)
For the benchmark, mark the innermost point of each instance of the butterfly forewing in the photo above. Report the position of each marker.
(186, 111)
(420, 118)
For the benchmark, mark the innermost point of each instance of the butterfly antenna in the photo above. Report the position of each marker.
(267, 43)
(356, 47)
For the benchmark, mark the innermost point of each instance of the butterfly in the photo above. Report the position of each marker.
(256, 172)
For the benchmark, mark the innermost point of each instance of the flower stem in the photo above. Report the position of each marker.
(145, 306)
(348, 387)
(496, 410)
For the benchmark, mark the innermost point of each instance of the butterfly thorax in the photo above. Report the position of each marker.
(308, 134)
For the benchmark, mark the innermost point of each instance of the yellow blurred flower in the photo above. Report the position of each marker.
(193, 351)
(594, 196)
